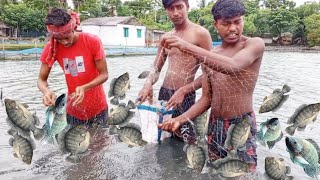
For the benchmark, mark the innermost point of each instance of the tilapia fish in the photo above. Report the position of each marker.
(228, 167)
(75, 141)
(121, 115)
(22, 147)
(270, 133)
(201, 127)
(276, 169)
(305, 153)
(56, 119)
(144, 74)
(275, 101)
(20, 118)
(129, 134)
(304, 115)
(237, 136)
(195, 156)
(118, 88)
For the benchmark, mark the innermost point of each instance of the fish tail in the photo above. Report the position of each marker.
(311, 171)
(114, 101)
(74, 158)
(113, 129)
(291, 129)
(38, 133)
(47, 140)
(286, 89)
(12, 132)
(131, 104)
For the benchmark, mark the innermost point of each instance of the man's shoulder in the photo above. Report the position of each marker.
(255, 40)
(89, 36)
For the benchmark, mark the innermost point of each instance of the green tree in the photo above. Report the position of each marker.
(276, 4)
(282, 20)
(312, 23)
(249, 26)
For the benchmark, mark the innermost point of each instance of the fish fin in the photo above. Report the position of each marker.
(36, 119)
(300, 160)
(281, 159)
(130, 116)
(261, 141)
(272, 143)
(131, 105)
(122, 97)
(266, 177)
(74, 158)
(25, 105)
(310, 170)
(284, 99)
(276, 90)
(143, 143)
(130, 146)
(110, 92)
(232, 153)
(32, 143)
(286, 88)
(302, 128)
(49, 115)
(133, 125)
(38, 133)
(289, 178)
(296, 112)
(314, 119)
(288, 170)
(11, 141)
(111, 110)
(217, 163)
(265, 98)
(113, 130)
(15, 155)
(227, 142)
(185, 147)
(114, 101)
(21, 132)
(290, 129)
(122, 104)
(316, 146)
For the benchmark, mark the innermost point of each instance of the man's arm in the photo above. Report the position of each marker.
(48, 96)
(252, 51)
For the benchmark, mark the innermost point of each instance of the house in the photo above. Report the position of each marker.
(116, 31)
(5, 30)
(153, 37)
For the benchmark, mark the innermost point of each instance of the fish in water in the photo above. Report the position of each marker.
(144, 74)
(305, 153)
(129, 134)
(121, 115)
(237, 136)
(228, 167)
(195, 157)
(276, 169)
(270, 132)
(22, 147)
(304, 115)
(20, 118)
(76, 141)
(118, 88)
(56, 119)
(275, 101)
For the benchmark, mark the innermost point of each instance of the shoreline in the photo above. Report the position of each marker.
(299, 49)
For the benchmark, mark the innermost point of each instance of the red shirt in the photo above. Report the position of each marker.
(78, 64)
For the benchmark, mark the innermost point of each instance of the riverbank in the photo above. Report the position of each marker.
(115, 52)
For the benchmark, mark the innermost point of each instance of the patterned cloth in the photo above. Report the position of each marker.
(98, 120)
(217, 134)
(187, 131)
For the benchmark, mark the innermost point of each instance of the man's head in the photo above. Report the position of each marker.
(61, 26)
(228, 16)
(177, 10)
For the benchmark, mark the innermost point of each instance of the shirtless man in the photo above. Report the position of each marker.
(178, 86)
(229, 79)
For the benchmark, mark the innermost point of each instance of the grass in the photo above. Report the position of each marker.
(18, 47)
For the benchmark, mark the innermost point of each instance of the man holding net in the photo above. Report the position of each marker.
(82, 58)
(178, 87)
(231, 72)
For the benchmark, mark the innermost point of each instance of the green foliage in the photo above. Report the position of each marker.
(282, 20)
(312, 23)
(249, 27)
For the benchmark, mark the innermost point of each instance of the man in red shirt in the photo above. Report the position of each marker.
(82, 58)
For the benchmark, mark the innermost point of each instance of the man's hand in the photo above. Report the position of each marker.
(49, 98)
(174, 42)
(171, 125)
(146, 93)
(176, 100)
(78, 95)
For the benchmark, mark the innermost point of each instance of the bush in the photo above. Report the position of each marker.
(18, 47)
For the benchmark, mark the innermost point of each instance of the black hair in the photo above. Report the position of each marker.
(226, 9)
(168, 3)
(57, 17)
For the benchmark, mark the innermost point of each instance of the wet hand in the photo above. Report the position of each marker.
(78, 95)
(145, 94)
(49, 98)
(171, 125)
(170, 42)
(176, 100)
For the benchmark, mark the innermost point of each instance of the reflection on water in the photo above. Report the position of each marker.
(107, 158)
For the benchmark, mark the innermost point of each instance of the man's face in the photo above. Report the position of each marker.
(231, 29)
(178, 12)
(66, 40)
